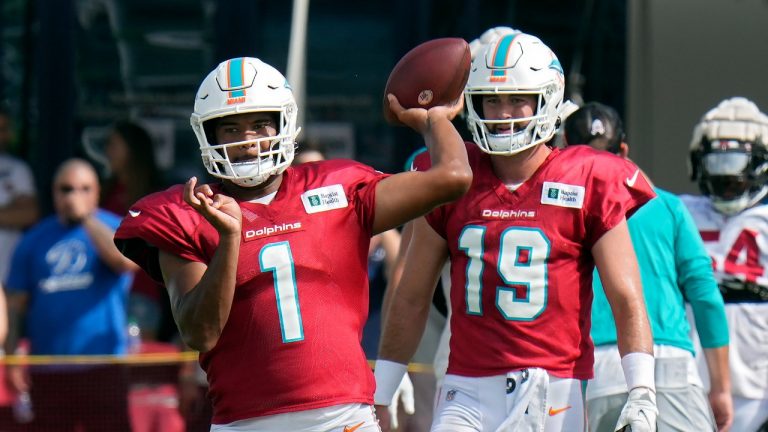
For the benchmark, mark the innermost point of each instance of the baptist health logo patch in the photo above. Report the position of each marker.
(562, 195)
(324, 199)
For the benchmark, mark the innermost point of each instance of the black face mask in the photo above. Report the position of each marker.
(725, 175)
(725, 187)
(729, 169)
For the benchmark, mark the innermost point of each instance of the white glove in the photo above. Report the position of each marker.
(489, 36)
(405, 392)
(640, 412)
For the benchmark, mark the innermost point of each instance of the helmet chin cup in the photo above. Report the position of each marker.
(731, 207)
(735, 206)
(509, 144)
(254, 173)
(250, 174)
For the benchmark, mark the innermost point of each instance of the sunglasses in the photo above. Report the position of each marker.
(68, 189)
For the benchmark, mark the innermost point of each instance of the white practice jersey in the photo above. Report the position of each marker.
(738, 246)
(15, 180)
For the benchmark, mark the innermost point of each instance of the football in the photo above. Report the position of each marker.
(433, 73)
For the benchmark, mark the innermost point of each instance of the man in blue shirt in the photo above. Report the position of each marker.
(674, 268)
(68, 288)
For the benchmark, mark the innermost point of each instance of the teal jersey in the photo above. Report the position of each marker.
(674, 268)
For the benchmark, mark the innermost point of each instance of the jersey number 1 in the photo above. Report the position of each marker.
(277, 258)
(521, 264)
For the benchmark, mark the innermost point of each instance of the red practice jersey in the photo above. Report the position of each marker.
(521, 261)
(292, 340)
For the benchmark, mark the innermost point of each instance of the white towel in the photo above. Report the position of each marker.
(528, 402)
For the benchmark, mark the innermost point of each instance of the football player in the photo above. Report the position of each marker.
(266, 269)
(729, 161)
(675, 269)
(522, 245)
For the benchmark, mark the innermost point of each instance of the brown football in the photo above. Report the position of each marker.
(433, 73)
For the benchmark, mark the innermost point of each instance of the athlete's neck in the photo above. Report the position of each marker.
(518, 168)
(241, 193)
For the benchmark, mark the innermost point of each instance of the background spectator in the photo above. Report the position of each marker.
(18, 210)
(18, 203)
(68, 286)
(131, 173)
(132, 169)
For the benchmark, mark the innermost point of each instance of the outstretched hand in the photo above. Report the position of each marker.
(418, 118)
(222, 211)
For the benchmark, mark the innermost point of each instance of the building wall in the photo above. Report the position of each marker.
(683, 57)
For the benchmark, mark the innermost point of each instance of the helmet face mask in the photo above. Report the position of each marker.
(240, 86)
(729, 156)
(733, 179)
(514, 64)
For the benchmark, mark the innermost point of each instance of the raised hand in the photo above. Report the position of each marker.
(418, 118)
(450, 111)
(222, 211)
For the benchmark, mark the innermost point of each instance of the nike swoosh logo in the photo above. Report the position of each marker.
(204, 97)
(134, 213)
(631, 181)
(353, 428)
(556, 411)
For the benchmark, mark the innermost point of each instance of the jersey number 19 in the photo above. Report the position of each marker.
(521, 264)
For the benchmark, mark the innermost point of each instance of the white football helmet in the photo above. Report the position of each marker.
(489, 36)
(237, 86)
(515, 63)
(729, 155)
